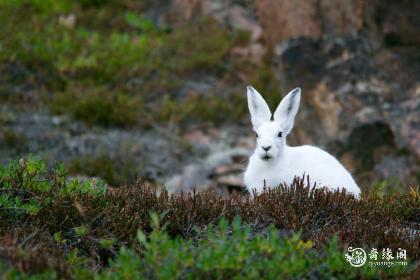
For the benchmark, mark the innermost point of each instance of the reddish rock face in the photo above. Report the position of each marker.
(283, 20)
(185, 9)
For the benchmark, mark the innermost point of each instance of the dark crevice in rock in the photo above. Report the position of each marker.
(368, 142)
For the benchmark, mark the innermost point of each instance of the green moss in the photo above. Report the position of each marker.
(12, 140)
(215, 109)
(40, 6)
(198, 45)
(98, 62)
(98, 106)
(109, 169)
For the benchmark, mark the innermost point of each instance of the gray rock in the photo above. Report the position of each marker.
(151, 154)
(352, 91)
(207, 173)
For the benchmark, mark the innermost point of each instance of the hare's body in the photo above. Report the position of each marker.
(274, 163)
(320, 166)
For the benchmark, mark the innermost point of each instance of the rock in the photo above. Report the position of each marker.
(309, 18)
(149, 154)
(234, 181)
(254, 52)
(399, 22)
(227, 168)
(296, 19)
(225, 156)
(68, 21)
(242, 19)
(194, 176)
(174, 184)
(404, 119)
(349, 95)
(185, 9)
(221, 170)
(200, 85)
(396, 168)
(347, 159)
(197, 136)
(229, 13)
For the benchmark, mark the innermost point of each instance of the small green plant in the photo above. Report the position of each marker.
(81, 231)
(93, 186)
(26, 185)
(106, 243)
(58, 238)
(140, 22)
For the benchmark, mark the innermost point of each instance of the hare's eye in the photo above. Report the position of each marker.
(256, 135)
(280, 134)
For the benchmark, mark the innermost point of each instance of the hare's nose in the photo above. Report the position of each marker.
(266, 148)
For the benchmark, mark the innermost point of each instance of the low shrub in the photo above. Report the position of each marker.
(236, 251)
(50, 225)
(26, 186)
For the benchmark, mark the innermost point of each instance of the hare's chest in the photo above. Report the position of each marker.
(266, 176)
(275, 177)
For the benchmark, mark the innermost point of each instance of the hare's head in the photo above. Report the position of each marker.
(271, 129)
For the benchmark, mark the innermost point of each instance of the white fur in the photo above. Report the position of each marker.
(284, 162)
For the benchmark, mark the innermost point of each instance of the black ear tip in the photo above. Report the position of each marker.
(249, 87)
(296, 90)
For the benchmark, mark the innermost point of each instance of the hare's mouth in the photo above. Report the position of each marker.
(266, 157)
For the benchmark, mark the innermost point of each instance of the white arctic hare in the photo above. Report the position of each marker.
(274, 163)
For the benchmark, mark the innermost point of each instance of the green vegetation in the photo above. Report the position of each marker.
(216, 255)
(53, 227)
(226, 252)
(106, 168)
(11, 139)
(21, 181)
(99, 106)
(120, 69)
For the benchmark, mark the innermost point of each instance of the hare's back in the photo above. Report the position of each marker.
(322, 168)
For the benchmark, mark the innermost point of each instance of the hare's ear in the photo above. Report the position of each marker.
(258, 108)
(287, 109)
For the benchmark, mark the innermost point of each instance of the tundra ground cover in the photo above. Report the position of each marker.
(54, 227)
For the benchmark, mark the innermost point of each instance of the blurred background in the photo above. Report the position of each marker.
(157, 89)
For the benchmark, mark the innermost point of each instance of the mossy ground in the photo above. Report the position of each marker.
(121, 69)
